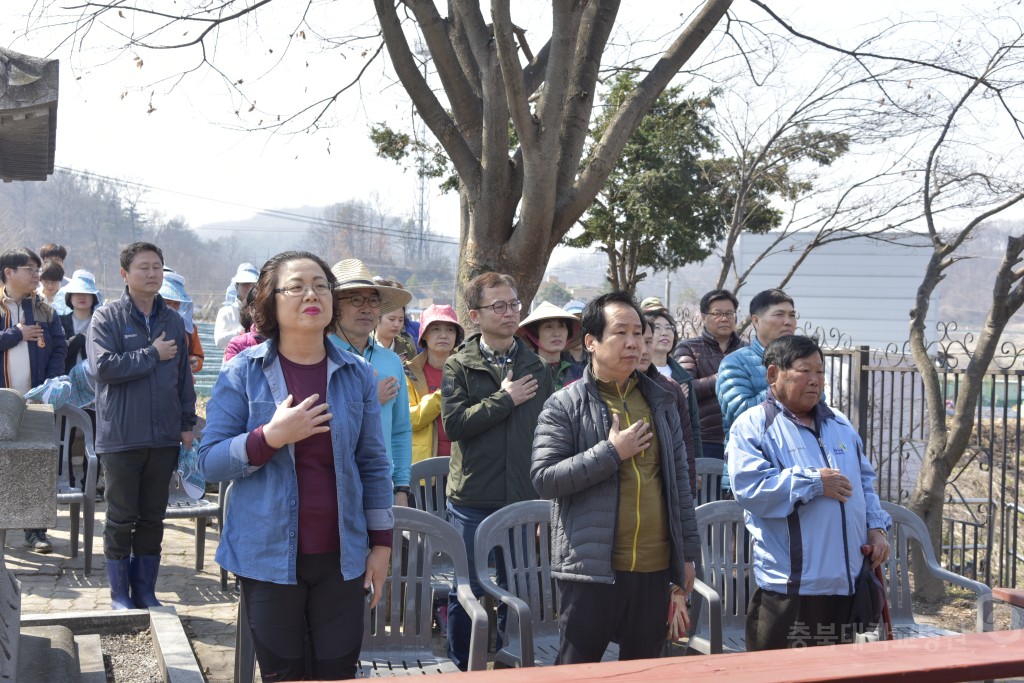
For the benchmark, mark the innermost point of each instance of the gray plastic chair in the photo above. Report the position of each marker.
(709, 480)
(907, 527)
(522, 531)
(397, 636)
(429, 483)
(69, 418)
(180, 506)
(728, 578)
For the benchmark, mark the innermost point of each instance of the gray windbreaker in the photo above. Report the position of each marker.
(141, 401)
(575, 465)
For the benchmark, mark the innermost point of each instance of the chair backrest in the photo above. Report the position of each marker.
(726, 548)
(522, 532)
(709, 480)
(429, 480)
(67, 419)
(402, 619)
(906, 527)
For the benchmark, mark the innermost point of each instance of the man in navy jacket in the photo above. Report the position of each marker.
(32, 342)
(145, 410)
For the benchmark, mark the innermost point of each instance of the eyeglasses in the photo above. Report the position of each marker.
(662, 328)
(499, 307)
(319, 289)
(358, 300)
(31, 269)
(721, 315)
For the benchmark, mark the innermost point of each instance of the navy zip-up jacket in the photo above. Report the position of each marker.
(141, 401)
(46, 361)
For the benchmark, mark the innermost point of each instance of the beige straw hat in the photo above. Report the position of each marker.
(352, 274)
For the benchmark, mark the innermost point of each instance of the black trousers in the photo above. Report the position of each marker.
(632, 611)
(136, 495)
(776, 621)
(321, 602)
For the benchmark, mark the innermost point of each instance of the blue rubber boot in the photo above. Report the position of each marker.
(117, 576)
(143, 577)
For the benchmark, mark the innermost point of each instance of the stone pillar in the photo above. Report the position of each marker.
(28, 470)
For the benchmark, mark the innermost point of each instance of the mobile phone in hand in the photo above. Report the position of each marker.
(369, 593)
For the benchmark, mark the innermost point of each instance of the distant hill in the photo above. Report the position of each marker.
(266, 234)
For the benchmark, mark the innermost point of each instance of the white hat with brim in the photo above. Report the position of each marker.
(82, 282)
(575, 307)
(352, 274)
(549, 311)
(173, 288)
(246, 273)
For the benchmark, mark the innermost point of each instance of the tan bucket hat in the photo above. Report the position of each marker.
(549, 311)
(352, 274)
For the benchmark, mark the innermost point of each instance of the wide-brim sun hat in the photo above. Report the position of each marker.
(440, 314)
(652, 304)
(549, 311)
(247, 273)
(575, 307)
(352, 274)
(82, 282)
(173, 288)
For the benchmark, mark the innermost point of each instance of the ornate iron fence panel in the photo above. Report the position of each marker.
(883, 394)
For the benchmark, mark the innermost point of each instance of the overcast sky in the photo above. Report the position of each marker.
(200, 168)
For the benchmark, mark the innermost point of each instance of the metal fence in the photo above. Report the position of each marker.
(882, 392)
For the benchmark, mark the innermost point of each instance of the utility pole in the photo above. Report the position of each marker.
(419, 131)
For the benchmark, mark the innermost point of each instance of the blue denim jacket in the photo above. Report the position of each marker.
(260, 538)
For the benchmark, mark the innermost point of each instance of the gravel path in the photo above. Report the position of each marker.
(129, 658)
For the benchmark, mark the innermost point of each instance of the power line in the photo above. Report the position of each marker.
(275, 213)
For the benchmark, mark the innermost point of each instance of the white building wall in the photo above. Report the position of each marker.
(863, 288)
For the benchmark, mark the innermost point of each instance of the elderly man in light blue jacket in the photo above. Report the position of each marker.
(799, 471)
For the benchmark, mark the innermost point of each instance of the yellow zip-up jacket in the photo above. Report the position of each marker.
(641, 529)
(424, 409)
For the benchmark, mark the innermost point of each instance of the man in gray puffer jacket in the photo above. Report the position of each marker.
(609, 451)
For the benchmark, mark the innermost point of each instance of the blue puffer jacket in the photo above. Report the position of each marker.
(742, 382)
(805, 543)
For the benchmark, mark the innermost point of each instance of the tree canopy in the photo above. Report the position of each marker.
(658, 208)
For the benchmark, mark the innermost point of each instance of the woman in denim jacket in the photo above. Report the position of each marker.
(295, 422)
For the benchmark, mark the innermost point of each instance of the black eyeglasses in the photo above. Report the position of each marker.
(500, 307)
(358, 300)
(721, 315)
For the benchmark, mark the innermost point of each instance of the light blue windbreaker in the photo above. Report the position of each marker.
(394, 415)
(804, 542)
(260, 538)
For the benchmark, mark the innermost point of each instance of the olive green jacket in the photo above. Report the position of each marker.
(492, 438)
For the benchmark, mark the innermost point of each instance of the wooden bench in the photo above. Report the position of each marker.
(971, 657)
(1015, 598)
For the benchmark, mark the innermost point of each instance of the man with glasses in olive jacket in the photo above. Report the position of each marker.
(492, 391)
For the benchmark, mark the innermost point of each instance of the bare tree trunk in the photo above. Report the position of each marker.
(946, 443)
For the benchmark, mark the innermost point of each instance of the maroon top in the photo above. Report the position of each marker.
(314, 467)
(433, 377)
